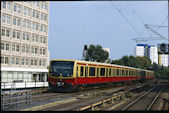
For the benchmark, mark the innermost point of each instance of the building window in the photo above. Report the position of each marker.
(17, 48)
(13, 47)
(32, 62)
(35, 26)
(25, 36)
(8, 19)
(43, 17)
(43, 28)
(23, 61)
(17, 60)
(27, 11)
(3, 18)
(40, 51)
(35, 62)
(6, 5)
(2, 60)
(35, 3)
(2, 46)
(6, 60)
(43, 6)
(13, 60)
(32, 50)
(23, 49)
(35, 14)
(17, 8)
(27, 61)
(43, 51)
(7, 33)
(40, 63)
(3, 32)
(7, 46)
(36, 39)
(26, 24)
(36, 50)
(16, 21)
(14, 34)
(27, 49)
(18, 35)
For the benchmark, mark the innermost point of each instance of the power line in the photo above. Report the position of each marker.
(135, 12)
(125, 18)
(160, 12)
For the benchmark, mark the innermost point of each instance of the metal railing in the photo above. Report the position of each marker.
(7, 85)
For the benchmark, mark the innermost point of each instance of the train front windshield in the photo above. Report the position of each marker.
(62, 68)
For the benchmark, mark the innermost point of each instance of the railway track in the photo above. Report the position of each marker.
(146, 100)
(73, 101)
(95, 96)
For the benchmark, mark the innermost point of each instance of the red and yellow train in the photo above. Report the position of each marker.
(69, 75)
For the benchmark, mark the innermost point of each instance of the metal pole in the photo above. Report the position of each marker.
(168, 29)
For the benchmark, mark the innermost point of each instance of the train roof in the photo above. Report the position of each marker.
(98, 63)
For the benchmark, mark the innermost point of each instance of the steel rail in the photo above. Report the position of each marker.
(148, 108)
(136, 99)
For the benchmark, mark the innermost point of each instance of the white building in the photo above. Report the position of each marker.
(24, 41)
(108, 50)
(153, 54)
(147, 50)
(163, 59)
(139, 51)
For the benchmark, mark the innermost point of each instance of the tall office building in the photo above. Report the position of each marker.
(163, 60)
(153, 54)
(24, 41)
(148, 51)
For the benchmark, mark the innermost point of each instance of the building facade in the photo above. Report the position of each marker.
(153, 54)
(24, 41)
(147, 50)
(163, 59)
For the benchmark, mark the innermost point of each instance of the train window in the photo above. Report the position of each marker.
(81, 71)
(118, 72)
(102, 71)
(122, 72)
(131, 73)
(97, 72)
(77, 71)
(92, 71)
(109, 71)
(86, 71)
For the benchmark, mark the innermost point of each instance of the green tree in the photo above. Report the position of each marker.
(96, 53)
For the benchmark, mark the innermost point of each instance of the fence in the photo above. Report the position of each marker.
(7, 85)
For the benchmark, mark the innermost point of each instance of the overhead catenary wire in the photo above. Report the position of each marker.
(125, 18)
(141, 20)
(158, 15)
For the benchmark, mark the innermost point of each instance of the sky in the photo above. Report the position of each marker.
(111, 24)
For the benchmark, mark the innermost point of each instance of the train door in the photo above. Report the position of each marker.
(81, 76)
(143, 74)
(86, 74)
